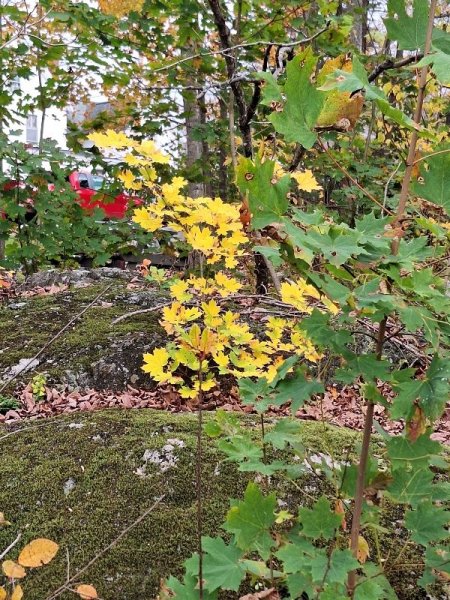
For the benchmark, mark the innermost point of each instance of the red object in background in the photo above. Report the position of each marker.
(88, 187)
(89, 190)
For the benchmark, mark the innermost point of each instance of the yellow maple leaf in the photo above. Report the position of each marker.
(147, 220)
(211, 312)
(296, 294)
(86, 592)
(129, 180)
(13, 570)
(155, 364)
(17, 593)
(120, 8)
(201, 239)
(179, 291)
(306, 181)
(150, 150)
(111, 139)
(227, 285)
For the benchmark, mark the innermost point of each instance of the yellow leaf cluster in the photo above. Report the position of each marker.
(120, 8)
(306, 180)
(299, 295)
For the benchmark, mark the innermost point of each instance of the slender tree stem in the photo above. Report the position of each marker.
(198, 482)
(360, 482)
(359, 495)
(414, 136)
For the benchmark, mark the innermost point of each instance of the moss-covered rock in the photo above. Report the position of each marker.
(93, 352)
(81, 480)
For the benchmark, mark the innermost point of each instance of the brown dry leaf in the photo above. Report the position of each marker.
(17, 593)
(12, 570)
(416, 426)
(339, 509)
(270, 594)
(38, 552)
(363, 551)
(86, 592)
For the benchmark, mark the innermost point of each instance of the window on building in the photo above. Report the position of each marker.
(15, 84)
(32, 129)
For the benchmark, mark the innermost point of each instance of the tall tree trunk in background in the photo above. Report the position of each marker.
(360, 28)
(223, 171)
(245, 110)
(206, 156)
(193, 121)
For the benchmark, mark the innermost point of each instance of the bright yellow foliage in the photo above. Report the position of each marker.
(120, 8)
(297, 294)
(112, 139)
(306, 180)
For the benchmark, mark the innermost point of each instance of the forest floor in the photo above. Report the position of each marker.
(87, 475)
(96, 362)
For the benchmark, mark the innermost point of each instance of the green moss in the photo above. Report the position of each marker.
(101, 454)
(24, 331)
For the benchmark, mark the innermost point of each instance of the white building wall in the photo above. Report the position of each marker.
(54, 124)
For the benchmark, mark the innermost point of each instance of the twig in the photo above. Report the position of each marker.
(54, 338)
(390, 64)
(62, 588)
(11, 546)
(140, 312)
(225, 51)
(352, 179)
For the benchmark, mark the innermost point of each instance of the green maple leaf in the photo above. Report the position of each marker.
(432, 392)
(368, 589)
(296, 555)
(428, 523)
(296, 390)
(286, 431)
(436, 179)
(303, 102)
(319, 521)
(420, 453)
(356, 80)
(267, 197)
(240, 449)
(408, 31)
(221, 566)
(336, 246)
(250, 521)
(188, 589)
(333, 569)
(411, 487)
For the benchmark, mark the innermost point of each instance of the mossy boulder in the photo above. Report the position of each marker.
(94, 351)
(83, 479)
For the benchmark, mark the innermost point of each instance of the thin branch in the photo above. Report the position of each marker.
(140, 312)
(11, 546)
(352, 179)
(418, 160)
(390, 64)
(122, 534)
(226, 51)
